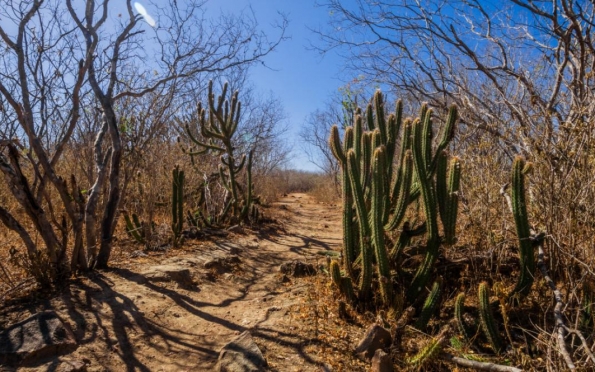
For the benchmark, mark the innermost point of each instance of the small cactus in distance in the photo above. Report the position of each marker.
(177, 205)
(134, 228)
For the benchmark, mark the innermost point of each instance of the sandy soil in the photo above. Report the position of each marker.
(124, 323)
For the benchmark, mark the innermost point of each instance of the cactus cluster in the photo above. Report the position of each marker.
(216, 127)
(388, 162)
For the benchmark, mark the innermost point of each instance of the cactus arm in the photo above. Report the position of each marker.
(427, 137)
(405, 145)
(379, 117)
(199, 143)
(402, 199)
(335, 145)
(448, 132)
(452, 204)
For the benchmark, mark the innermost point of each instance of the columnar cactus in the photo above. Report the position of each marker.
(378, 184)
(177, 205)
(519, 209)
(429, 306)
(217, 130)
(488, 324)
(462, 326)
(340, 152)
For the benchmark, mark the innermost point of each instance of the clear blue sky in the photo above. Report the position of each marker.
(302, 79)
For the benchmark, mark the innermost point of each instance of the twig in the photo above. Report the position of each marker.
(484, 366)
(583, 341)
(506, 196)
(7, 275)
(560, 325)
(15, 288)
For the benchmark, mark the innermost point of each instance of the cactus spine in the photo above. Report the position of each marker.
(177, 205)
(488, 324)
(519, 210)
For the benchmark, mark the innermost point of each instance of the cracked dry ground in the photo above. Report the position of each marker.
(122, 323)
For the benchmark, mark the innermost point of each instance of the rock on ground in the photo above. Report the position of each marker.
(39, 336)
(376, 337)
(381, 362)
(241, 355)
(297, 268)
(167, 273)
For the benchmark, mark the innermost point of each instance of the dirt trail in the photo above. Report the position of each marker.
(124, 323)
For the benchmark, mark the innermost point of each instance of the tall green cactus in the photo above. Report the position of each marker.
(364, 225)
(486, 316)
(519, 209)
(429, 201)
(340, 152)
(377, 222)
(177, 205)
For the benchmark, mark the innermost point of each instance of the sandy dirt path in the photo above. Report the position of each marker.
(123, 322)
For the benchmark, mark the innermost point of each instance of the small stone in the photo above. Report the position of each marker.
(37, 337)
(381, 362)
(222, 264)
(73, 366)
(241, 355)
(138, 253)
(297, 268)
(167, 273)
(376, 337)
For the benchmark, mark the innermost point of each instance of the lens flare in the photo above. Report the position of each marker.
(142, 11)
